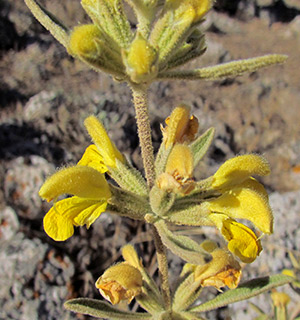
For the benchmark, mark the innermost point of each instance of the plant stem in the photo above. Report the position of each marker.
(163, 268)
(140, 100)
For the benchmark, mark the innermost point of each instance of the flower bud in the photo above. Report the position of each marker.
(140, 60)
(106, 147)
(180, 126)
(178, 173)
(120, 282)
(223, 270)
(280, 299)
(83, 40)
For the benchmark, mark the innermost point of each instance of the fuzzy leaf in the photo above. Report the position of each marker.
(184, 247)
(128, 204)
(200, 146)
(245, 291)
(49, 21)
(102, 310)
(129, 178)
(225, 70)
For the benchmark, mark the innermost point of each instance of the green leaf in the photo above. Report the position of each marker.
(184, 247)
(102, 310)
(245, 291)
(225, 70)
(200, 146)
(127, 204)
(129, 178)
(186, 293)
(49, 21)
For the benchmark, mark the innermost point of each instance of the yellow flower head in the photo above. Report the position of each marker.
(181, 127)
(106, 148)
(223, 270)
(178, 173)
(120, 282)
(90, 193)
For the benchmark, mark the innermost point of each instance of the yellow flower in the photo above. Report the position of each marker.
(106, 148)
(180, 126)
(223, 270)
(241, 197)
(120, 282)
(90, 193)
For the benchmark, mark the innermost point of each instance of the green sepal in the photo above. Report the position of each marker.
(161, 201)
(187, 293)
(191, 316)
(102, 310)
(149, 300)
(200, 146)
(188, 213)
(59, 31)
(263, 317)
(127, 204)
(110, 17)
(225, 70)
(184, 247)
(245, 291)
(161, 159)
(129, 178)
(169, 33)
(194, 47)
(105, 60)
(258, 310)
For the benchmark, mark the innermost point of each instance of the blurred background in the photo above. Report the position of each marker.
(44, 97)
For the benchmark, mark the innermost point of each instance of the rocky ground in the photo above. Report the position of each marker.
(45, 96)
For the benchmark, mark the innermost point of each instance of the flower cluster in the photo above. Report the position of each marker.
(176, 198)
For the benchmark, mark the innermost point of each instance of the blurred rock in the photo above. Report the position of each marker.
(22, 183)
(9, 223)
(33, 283)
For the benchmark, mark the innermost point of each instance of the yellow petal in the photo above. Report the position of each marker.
(223, 270)
(200, 7)
(180, 127)
(59, 222)
(106, 147)
(280, 299)
(180, 161)
(242, 241)
(248, 200)
(238, 169)
(81, 181)
(90, 214)
(58, 227)
(119, 282)
(92, 158)
(130, 256)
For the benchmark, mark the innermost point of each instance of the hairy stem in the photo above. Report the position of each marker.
(163, 268)
(140, 101)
